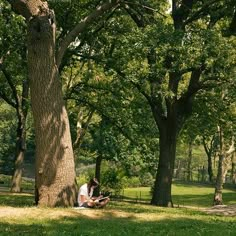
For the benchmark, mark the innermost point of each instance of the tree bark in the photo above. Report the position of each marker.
(167, 141)
(55, 170)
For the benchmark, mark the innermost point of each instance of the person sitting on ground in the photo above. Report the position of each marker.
(85, 196)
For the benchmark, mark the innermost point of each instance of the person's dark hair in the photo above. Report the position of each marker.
(92, 183)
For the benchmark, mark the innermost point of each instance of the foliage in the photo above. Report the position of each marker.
(112, 179)
(7, 139)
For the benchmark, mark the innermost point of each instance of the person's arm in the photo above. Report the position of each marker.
(96, 198)
(83, 199)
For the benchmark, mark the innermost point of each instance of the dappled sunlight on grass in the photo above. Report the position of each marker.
(113, 221)
(19, 216)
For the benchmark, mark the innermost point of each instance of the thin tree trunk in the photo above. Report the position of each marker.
(98, 172)
(209, 151)
(209, 168)
(19, 160)
(233, 174)
(218, 198)
(82, 128)
(190, 157)
(22, 111)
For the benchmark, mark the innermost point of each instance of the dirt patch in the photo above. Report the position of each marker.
(222, 210)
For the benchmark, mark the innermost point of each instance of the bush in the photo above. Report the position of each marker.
(111, 179)
(131, 182)
(147, 180)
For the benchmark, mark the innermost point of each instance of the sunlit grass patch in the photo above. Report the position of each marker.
(118, 218)
(195, 195)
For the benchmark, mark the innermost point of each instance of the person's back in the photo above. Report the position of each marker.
(83, 195)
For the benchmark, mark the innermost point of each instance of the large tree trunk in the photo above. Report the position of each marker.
(162, 187)
(55, 170)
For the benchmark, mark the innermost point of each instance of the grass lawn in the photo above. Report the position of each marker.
(196, 195)
(18, 216)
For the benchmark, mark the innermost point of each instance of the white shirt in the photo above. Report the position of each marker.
(84, 191)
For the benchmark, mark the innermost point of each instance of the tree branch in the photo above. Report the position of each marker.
(112, 121)
(79, 28)
(200, 12)
(14, 92)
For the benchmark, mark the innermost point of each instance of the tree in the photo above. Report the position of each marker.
(169, 60)
(14, 83)
(55, 170)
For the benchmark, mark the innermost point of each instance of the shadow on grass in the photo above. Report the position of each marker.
(201, 200)
(114, 225)
(115, 222)
(16, 199)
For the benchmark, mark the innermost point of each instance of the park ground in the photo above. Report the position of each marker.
(192, 215)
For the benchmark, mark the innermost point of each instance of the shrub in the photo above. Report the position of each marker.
(147, 180)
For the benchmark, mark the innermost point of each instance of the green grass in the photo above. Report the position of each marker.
(19, 216)
(196, 195)
(26, 183)
(117, 219)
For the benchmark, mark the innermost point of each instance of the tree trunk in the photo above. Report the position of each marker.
(209, 151)
(162, 187)
(218, 198)
(55, 169)
(22, 111)
(19, 159)
(190, 157)
(233, 174)
(209, 168)
(98, 173)
(225, 160)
